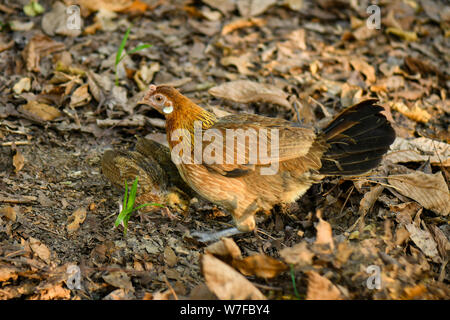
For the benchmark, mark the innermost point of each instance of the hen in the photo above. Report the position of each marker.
(230, 175)
(159, 180)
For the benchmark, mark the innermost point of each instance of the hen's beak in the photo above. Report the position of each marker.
(146, 98)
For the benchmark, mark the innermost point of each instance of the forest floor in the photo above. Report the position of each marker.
(381, 236)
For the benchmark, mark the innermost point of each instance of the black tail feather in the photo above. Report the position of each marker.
(358, 138)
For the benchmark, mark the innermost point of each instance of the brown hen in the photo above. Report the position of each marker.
(352, 144)
(158, 178)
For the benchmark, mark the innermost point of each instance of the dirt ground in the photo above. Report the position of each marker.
(58, 210)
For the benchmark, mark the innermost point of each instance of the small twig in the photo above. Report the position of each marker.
(266, 287)
(21, 200)
(17, 143)
(346, 199)
(170, 288)
(324, 110)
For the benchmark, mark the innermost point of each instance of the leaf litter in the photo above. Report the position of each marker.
(61, 110)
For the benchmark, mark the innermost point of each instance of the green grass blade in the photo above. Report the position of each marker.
(132, 196)
(125, 197)
(139, 48)
(148, 204)
(122, 46)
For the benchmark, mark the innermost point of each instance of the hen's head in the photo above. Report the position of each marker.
(165, 99)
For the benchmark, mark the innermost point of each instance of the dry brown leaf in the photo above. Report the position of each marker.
(40, 111)
(9, 213)
(245, 91)
(364, 33)
(80, 96)
(76, 219)
(430, 190)
(225, 6)
(419, 149)
(295, 5)
(405, 211)
(38, 47)
(324, 235)
(299, 254)
(170, 258)
(388, 84)
(122, 294)
(8, 272)
(363, 67)
(405, 35)
(320, 288)
(22, 85)
(113, 5)
(224, 248)
(18, 160)
(416, 113)
(424, 240)
(241, 24)
(40, 249)
(227, 283)
(250, 8)
(260, 265)
(443, 244)
(369, 199)
(242, 63)
(55, 292)
(119, 279)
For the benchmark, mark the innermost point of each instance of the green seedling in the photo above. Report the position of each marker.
(293, 281)
(121, 53)
(128, 206)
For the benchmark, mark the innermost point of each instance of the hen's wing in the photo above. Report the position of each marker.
(258, 141)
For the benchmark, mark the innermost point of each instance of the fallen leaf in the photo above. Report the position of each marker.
(170, 258)
(107, 5)
(416, 113)
(55, 292)
(320, 288)
(430, 190)
(250, 8)
(443, 244)
(80, 96)
(405, 35)
(224, 248)
(226, 283)
(241, 24)
(76, 219)
(120, 294)
(119, 279)
(40, 111)
(324, 235)
(8, 273)
(245, 91)
(363, 67)
(299, 254)
(295, 5)
(38, 47)
(424, 240)
(22, 85)
(418, 150)
(369, 199)
(225, 6)
(9, 213)
(260, 265)
(242, 63)
(18, 160)
(40, 249)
